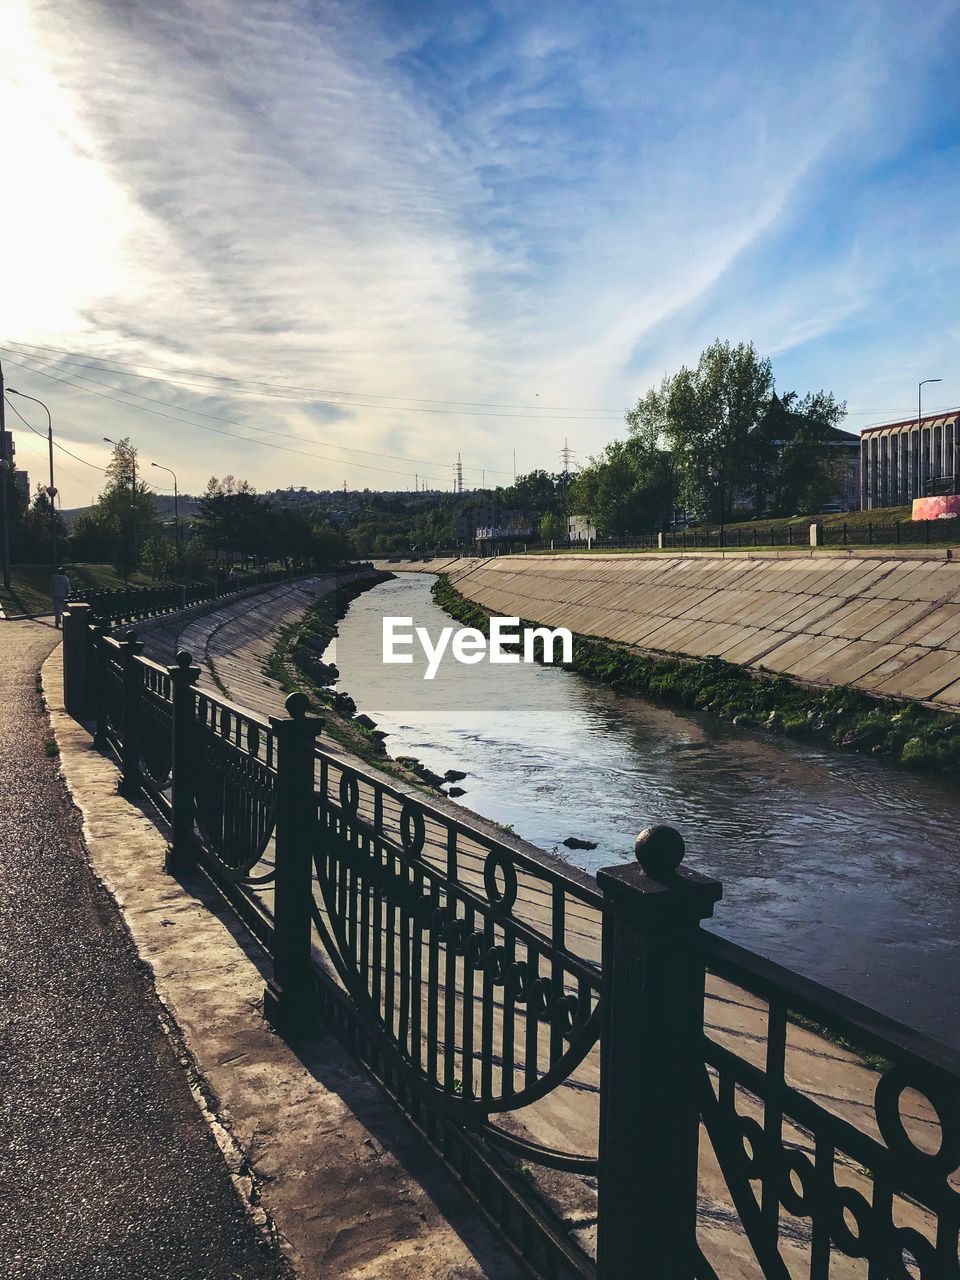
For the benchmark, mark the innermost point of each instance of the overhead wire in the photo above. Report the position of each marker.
(538, 410)
(345, 462)
(216, 417)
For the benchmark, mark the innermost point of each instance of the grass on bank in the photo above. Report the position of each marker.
(854, 520)
(862, 530)
(906, 732)
(294, 661)
(30, 584)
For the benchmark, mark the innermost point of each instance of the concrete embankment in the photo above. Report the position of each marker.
(889, 624)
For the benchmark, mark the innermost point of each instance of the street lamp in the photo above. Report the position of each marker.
(51, 490)
(920, 386)
(176, 502)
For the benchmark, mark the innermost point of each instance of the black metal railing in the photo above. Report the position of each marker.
(745, 537)
(622, 1093)
(117, 608)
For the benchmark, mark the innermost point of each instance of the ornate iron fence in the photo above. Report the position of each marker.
(622, 1093)
(133, 604)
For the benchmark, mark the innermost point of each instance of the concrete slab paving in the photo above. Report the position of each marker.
(831, 608)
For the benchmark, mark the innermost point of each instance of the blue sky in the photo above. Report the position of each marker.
(477, 228)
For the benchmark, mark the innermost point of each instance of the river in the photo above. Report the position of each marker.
(841, 867)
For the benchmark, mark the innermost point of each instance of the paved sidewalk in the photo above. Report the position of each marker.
(108, 1167)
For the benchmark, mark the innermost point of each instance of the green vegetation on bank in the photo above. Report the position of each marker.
(30, 584)
(856, 521)
(295, 663)
(906, 732)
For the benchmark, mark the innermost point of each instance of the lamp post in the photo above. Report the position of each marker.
(920, 386)
(51, 489)
(176, 503)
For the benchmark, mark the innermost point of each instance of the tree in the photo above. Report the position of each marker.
(710, 420)
(795, 467)
(89, 540)
(553, 527)
(158, 555)
(125, 509)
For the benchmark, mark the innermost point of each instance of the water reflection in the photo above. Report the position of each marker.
(838, 866)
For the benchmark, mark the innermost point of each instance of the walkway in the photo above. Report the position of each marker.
(109, 1168)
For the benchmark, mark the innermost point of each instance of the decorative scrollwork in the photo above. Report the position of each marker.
(235, 800)
(844, 1178)
(450, 966)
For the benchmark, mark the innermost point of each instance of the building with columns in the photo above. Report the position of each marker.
(905, 460)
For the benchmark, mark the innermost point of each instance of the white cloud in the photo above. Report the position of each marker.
(488, 206)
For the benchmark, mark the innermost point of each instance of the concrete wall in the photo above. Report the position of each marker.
(890, 625)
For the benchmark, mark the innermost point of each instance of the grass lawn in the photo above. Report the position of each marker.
(30, 585)
(852, 519)
(862, 530)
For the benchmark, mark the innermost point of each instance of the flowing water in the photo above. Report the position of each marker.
(839, 866)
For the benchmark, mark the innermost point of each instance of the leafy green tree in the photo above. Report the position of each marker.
(711, 417)
(89, 541)
(125, 509)
(158, 556)
(193, 561)
(552, 527)
(794, 460)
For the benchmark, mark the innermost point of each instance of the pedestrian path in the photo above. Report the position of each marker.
(110, 1168)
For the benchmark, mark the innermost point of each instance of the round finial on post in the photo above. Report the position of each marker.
(130, 635)
(659, 850)
(297, 704)
(184, 660)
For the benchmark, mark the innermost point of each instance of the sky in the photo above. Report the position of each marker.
(317, 243)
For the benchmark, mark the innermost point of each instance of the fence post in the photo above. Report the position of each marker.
(182, 852)
(75, 659)
(131, 648)
(95, 679)
(651, 1061)
(290, 1000)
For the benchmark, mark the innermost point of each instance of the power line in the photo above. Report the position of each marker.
(217, 431)
(215, 417)
(56, 443)
(285, 435)
(101, 362)
(278, 390)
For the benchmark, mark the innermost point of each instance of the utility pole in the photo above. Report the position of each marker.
(4, 466)
(566, 453)
(51, 490)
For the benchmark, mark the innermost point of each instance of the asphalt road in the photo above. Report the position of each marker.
(107, 1168)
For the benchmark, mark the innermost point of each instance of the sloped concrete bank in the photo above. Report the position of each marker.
(887, 624)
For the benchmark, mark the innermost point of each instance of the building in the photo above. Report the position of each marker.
(8, 454)
(581, 529)
(901, 461)
(490, 521)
